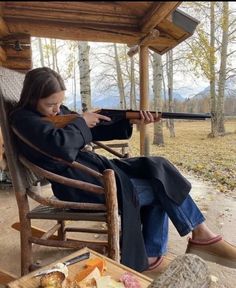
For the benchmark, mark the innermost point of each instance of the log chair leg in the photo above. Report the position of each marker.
(26, 246)
(61, 232)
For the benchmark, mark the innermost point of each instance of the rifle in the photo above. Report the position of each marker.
(61, 121)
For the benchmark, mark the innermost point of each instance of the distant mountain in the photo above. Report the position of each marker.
(188, 92)
(200, 103)
(98, 101)
(230, 89)
(178, 97)
(110, 100)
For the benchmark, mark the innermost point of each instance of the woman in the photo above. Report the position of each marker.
(150, 189)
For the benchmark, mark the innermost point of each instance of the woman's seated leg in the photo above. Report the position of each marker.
(188, 218)
(154, 223)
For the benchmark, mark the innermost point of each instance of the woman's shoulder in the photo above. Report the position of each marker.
(22, 113)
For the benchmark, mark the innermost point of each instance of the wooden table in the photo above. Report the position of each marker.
(114, 269)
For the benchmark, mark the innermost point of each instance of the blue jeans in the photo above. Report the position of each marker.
(155, 210)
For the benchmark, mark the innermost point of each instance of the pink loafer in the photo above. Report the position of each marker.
(214, 250)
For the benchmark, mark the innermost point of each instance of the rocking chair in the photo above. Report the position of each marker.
(26, 176)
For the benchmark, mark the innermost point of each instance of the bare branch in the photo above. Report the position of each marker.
(232, 52)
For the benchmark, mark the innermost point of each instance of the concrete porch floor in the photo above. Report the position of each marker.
(219, 210)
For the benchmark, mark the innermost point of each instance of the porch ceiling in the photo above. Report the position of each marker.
(156, 24)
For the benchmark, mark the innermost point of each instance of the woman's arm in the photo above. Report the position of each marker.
(60, 142)
(119, 130)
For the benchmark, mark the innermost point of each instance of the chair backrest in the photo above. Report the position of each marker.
(10, 86)
(25, 174)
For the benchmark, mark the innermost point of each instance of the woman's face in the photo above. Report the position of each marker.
(50, 106)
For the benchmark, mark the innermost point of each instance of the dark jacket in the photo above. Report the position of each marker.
(67, 142)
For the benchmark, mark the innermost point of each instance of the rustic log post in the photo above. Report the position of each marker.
(144, 95)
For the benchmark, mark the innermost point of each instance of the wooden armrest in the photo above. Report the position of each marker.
(109, 182)
(74, 164)
(61, 179)
(86, 169)
(54, 202)
(107, 148)
(107, 178)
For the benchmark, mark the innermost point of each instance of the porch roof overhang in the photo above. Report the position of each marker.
(158, 25)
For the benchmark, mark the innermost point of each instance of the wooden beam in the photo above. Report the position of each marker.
(68, 15)
(3, 28)
(26, 53)
(18, 63)
(163, 41)
(72, 31)
(90, 7)
(3, 55)
(156, 14)
(169, 28)
(144, 41)
(160, 42)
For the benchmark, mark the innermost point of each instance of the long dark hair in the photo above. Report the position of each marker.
(39, 83)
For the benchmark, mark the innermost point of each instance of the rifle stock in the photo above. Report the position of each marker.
(61, 121)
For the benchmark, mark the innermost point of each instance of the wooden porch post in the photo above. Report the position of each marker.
(144, 97)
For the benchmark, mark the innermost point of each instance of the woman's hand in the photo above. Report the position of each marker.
(92, 119)
(146, 117)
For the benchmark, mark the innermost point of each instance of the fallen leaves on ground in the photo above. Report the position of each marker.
(212, 159)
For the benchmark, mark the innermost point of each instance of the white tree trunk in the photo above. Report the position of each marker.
(158, 138)
(74, 88)
(47, 53)
(41, 52)
(53, 54)
(222, 74)
(170, 90)
(120, 81)
(133, 104)
(85, 89)
(212, 73)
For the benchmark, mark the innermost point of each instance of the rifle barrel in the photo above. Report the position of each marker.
(170, 115)
(178, 115)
